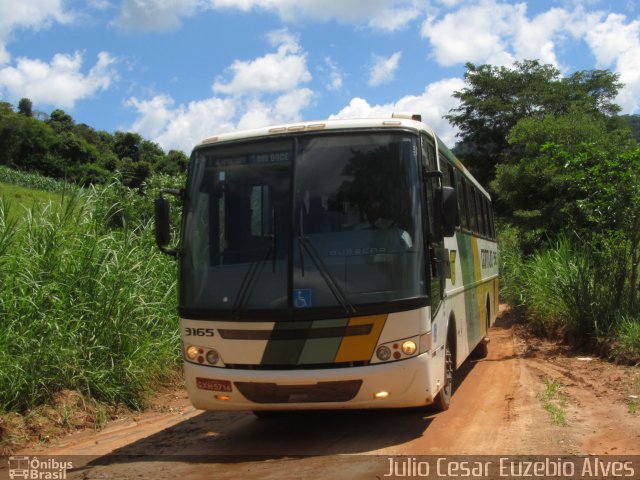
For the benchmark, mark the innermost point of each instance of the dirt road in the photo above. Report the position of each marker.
(498, 408)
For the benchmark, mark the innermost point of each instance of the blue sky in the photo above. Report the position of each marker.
(177, 71)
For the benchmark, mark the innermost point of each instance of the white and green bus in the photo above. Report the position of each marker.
(343, 264)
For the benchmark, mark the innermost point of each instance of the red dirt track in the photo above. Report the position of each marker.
(497, 409)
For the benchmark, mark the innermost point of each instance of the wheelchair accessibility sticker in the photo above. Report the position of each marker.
(302, 297)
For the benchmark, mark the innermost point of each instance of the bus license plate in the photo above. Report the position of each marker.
(213, 385)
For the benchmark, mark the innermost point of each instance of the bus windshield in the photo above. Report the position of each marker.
(294, 223)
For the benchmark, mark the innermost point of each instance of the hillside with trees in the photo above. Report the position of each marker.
(58, 147)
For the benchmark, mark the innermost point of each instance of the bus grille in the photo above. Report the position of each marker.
(304, 366)
(317, 393)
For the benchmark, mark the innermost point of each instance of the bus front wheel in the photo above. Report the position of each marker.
(443, 399)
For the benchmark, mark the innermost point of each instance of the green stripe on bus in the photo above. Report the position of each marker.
(467, 265)
(323, 350)
(281, 348)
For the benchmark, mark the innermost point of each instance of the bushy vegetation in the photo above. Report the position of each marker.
(566, 290)
(87, 302)
(55, 146)
(34, 180)
(564, 171)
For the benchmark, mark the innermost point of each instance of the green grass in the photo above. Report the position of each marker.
(633, 399)
(33, 180)
(23, 198)
(628, 338)
(569, 290)
(553, 402)
(82, 307)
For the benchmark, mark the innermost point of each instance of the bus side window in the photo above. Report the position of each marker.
(428, 154)
(492, 226)
(485, 211)
(446, 174)
(472, 209)
(482, 224)
(462, 201)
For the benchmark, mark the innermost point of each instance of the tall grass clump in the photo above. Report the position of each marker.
(627, 345)
(565, 289)
(82, 306)
(511, 271)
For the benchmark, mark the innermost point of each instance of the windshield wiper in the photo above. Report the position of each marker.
(338, 293)
(247, 282)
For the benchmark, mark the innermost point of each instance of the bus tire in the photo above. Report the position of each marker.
(443, 398)
(482, 349)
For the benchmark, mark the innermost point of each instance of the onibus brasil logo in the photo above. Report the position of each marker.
(37, 469)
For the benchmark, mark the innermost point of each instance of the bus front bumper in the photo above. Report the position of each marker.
(405, 383)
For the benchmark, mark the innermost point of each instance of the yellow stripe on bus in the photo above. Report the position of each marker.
(361, 347)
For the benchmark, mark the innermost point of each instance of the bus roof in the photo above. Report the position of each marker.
(315, 126)
(408, 121)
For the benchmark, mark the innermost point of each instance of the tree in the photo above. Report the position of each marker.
(497, 98)
(150, 152)
(60, 121)
(127, 145)
(25, 107)
(634, 123)
(174, 163)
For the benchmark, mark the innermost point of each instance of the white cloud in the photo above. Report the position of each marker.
(333, 74)
(616, 42)
(273, 72)
(384, 69)
(499, 33)
(153, 115)
(148, 15)
(611, 38)
(183, 126)
(154, 15)
(59, 83)
(267, 90)
(287, 107)
(432, 104)
(496, 32)
(392, 19)
(537, 38)
(341, 10)
(32, 14)
(473, 33)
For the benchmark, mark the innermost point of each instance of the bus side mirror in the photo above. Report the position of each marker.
(449, 211)
(163, 232)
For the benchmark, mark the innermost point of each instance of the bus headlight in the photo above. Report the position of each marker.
(409, 347)
(398, 350)
(212, 357)
(383, 353)
(191, 352)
